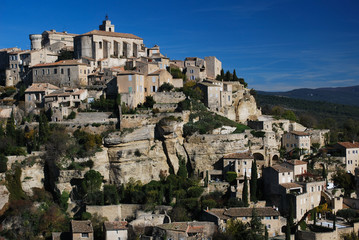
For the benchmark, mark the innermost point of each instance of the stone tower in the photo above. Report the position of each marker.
(35, 41)
(107, 26)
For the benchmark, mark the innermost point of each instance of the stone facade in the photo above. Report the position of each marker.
(297, 139)
(66, 73)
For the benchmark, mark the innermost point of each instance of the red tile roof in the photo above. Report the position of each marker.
(111, 34)
(349, 144)
(297, 162)
(117, 225)
(81, 226)
(291, 185)
(298, 133)
(281, 169)
(244, 212)
(60, 63)
(41, 87)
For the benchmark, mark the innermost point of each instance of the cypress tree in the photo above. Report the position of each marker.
(44, 129)
(287, 230)
(334, 222)
(253, 181)
(291, 213)
(266, 237)
(10, 127)
(222, 74)
(245, 191)
(228, 76)
(235, 78)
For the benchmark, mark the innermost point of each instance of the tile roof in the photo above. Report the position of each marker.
(244, 212)
(81, 226)
(40, 87)
(298, 133)
(111, 34)
(290, 185)
(116, 225)
(175, 226)
(157, 72)
(241, 155)
(349, 144)
(60, 63)
(281, 169)
(297, 162)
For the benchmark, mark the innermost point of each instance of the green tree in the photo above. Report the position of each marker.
(165, 87)
(10, 127)
(254, 182)
(3, 163)
(149, 102)
(92, 181)
(245, 191)
(266, 237)
(235, 78)
(182, 169)
(44, 130)
(287, 230)
(110, 194)
(64, 200)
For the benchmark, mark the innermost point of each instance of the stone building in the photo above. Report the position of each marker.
(70, 73)
(211, 95)
(270, 217)
(52, 40)
(298, 167)
(240, 163)
(106, 43)
(115, 230)
(184, 230)
(20, 63)
(131, 86)
(350, 151)
(155, 80)
(35, 95)
(297, 139)
(282, 187)
(81, 230)
(213, 67)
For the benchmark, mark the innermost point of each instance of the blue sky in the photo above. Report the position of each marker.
(274, 45)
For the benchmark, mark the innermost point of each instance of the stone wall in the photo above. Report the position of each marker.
(169, 97)
(165, 107)
(138, 120)
(115, 212)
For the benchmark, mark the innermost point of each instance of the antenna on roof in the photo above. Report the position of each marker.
(106, 18)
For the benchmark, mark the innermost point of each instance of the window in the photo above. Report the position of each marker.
(62, 71)
(84, 235)
(153, 79)
(55, 71)
(68, 71)
(288, 173)
(192, 77)
(100, 45)
(35, 72)
(16, 67)
(48, 71)
(267, 218)
(268, 226)
(229, 98)
(130, 89)
(12, 65)
(129, 78)
(80, 70)
(43, 71)
(191, 71)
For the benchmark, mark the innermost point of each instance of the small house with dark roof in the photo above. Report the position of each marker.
(269, 216)
(81, 230)
(116, 230)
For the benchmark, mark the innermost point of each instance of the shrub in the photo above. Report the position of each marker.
(137, 153)
(195, 192)
(149, 102)
(72, 115)
(3, 163)
(165, 87)
(110, 194)
(63, 200)
(231, 176)
(209, 203)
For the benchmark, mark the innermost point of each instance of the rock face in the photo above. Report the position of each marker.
(136, 155)
(32, 177)
(205, 151)
(245, 107)
(4, 198)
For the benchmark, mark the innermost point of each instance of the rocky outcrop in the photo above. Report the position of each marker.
(205, 151)
(32, 176)
(245, 106)
(136, 155)
(4, 198)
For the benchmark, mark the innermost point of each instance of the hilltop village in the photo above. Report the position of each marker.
(103, 137)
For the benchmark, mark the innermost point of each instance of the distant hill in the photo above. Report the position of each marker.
(339, 95)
